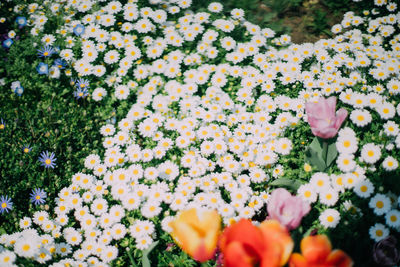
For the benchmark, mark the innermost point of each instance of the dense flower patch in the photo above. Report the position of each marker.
(224, 112)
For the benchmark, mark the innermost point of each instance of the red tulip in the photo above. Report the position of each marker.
(245, 245)
(317, 252)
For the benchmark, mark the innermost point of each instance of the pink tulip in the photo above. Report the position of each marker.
(323, 119)
(287, 209)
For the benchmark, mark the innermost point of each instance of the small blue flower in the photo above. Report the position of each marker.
(38, 196)
(2, 124)
(47, 160)
(82, 83)
(46, 51)
(7, 43)
(17, 88)
(21, 21)
(26, 148)
(79, 29)
(5, 204)
(60, 63)
(81, 93)
(18, 91)
(42, 68)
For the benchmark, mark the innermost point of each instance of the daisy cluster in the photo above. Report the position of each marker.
(211, 122)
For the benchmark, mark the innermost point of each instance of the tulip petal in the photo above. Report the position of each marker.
(297, 260)
(275, 235)
(340, 117)
(330, 104)
(245, 233)
(235, 255)
(339, 258)
(315, 249)
(197, 236)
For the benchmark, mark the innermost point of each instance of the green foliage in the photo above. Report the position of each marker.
(46, 117)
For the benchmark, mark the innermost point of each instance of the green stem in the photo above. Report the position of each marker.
(130, 257)
(325, 151)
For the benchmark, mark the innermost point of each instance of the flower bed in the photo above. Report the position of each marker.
(219, 113)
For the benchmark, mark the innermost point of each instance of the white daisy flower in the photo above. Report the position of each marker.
(364, 188)
(329, 218)
(393, 219)
(307, 193)
(380, 204)
(360, 117)
(215, 7)
(329, 197)
(346, 144)
(370, 153)
(320, 181)
(391, 128)
(345, 162)
(378, 232)
(25, 223)
(7, 258)
(390, 163)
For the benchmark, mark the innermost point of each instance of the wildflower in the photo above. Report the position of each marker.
(38, 196)
(26, 148)
(42, 68)
(7, 43)
(79, 29)
(82, 84)
(378, 232)
(80, 93)
(7, 258)
(60, 63)
(393, 219)
(21, 21)
(329, 218)
(380, 204)
(17, 88)
(47, 160)
(370, 153)
(46, 51)
(5, 204)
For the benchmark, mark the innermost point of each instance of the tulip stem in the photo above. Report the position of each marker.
(325, 152)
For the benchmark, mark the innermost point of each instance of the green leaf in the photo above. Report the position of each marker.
(292, 184)
(145, 257)
(316, 145)
(314, 158)
(332, 154)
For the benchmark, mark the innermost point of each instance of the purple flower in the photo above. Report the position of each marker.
(26, 148)
(38, 196)
(47, 160)
(2, 124)
(323, 119)
(385, 252)
(287, 209)
(5, 204)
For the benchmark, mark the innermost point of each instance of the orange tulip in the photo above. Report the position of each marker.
(197, 234)
(317, 252)
(244, 245)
